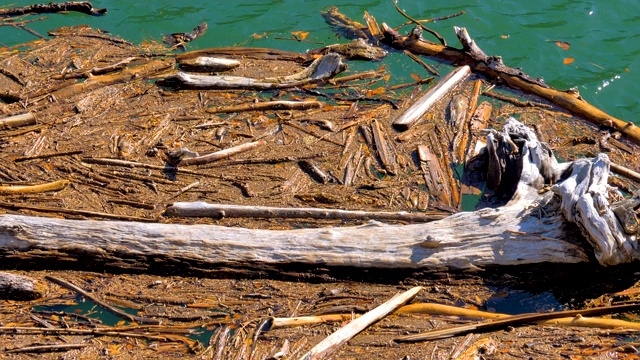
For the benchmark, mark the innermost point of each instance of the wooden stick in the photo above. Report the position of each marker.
(330, 345)
(18, 120)
(34, 189)
(70, 331)
(51, 209)
(278, 323)
(268, 105)
(203, 209)
(135, 164)
(626, 172)
(493, 68)
(515, 321)
(49, 155)
(126, 75)
(430, 97)
(434, 176)
(222, 154)
(514, 101)
(104, 305)
(428, 67)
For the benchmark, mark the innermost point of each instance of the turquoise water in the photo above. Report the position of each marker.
(603, 37)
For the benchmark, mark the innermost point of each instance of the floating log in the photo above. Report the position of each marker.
(245, 52)
(416, 111)
(178, 39)
(494, 69)
(267, 105)
(458, 123)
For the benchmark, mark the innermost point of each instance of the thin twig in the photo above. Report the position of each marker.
(51, 209)
(429, 68)
(49, 155)
(432, 32)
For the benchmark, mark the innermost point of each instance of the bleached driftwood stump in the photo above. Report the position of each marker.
(531, 228)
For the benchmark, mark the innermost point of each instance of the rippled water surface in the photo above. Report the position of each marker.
(602, 60)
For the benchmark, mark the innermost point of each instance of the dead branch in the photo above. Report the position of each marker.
(34, 189)
(267, 105)
(84, 7)
(581, 321)
(47, 156)
(493, 68)
(412, 20)
(89, 214)
(219, 155)
(203, 209)
(46, 348)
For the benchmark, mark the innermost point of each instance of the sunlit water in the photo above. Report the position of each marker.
(603, 37)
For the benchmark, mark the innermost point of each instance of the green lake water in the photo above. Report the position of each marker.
(603, 37)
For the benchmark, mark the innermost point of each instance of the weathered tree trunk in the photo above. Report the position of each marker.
(529, 229)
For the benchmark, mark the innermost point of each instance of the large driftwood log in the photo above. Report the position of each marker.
(529, 229)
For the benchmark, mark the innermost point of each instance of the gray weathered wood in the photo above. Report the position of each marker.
(430, 97)
(18, 287)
